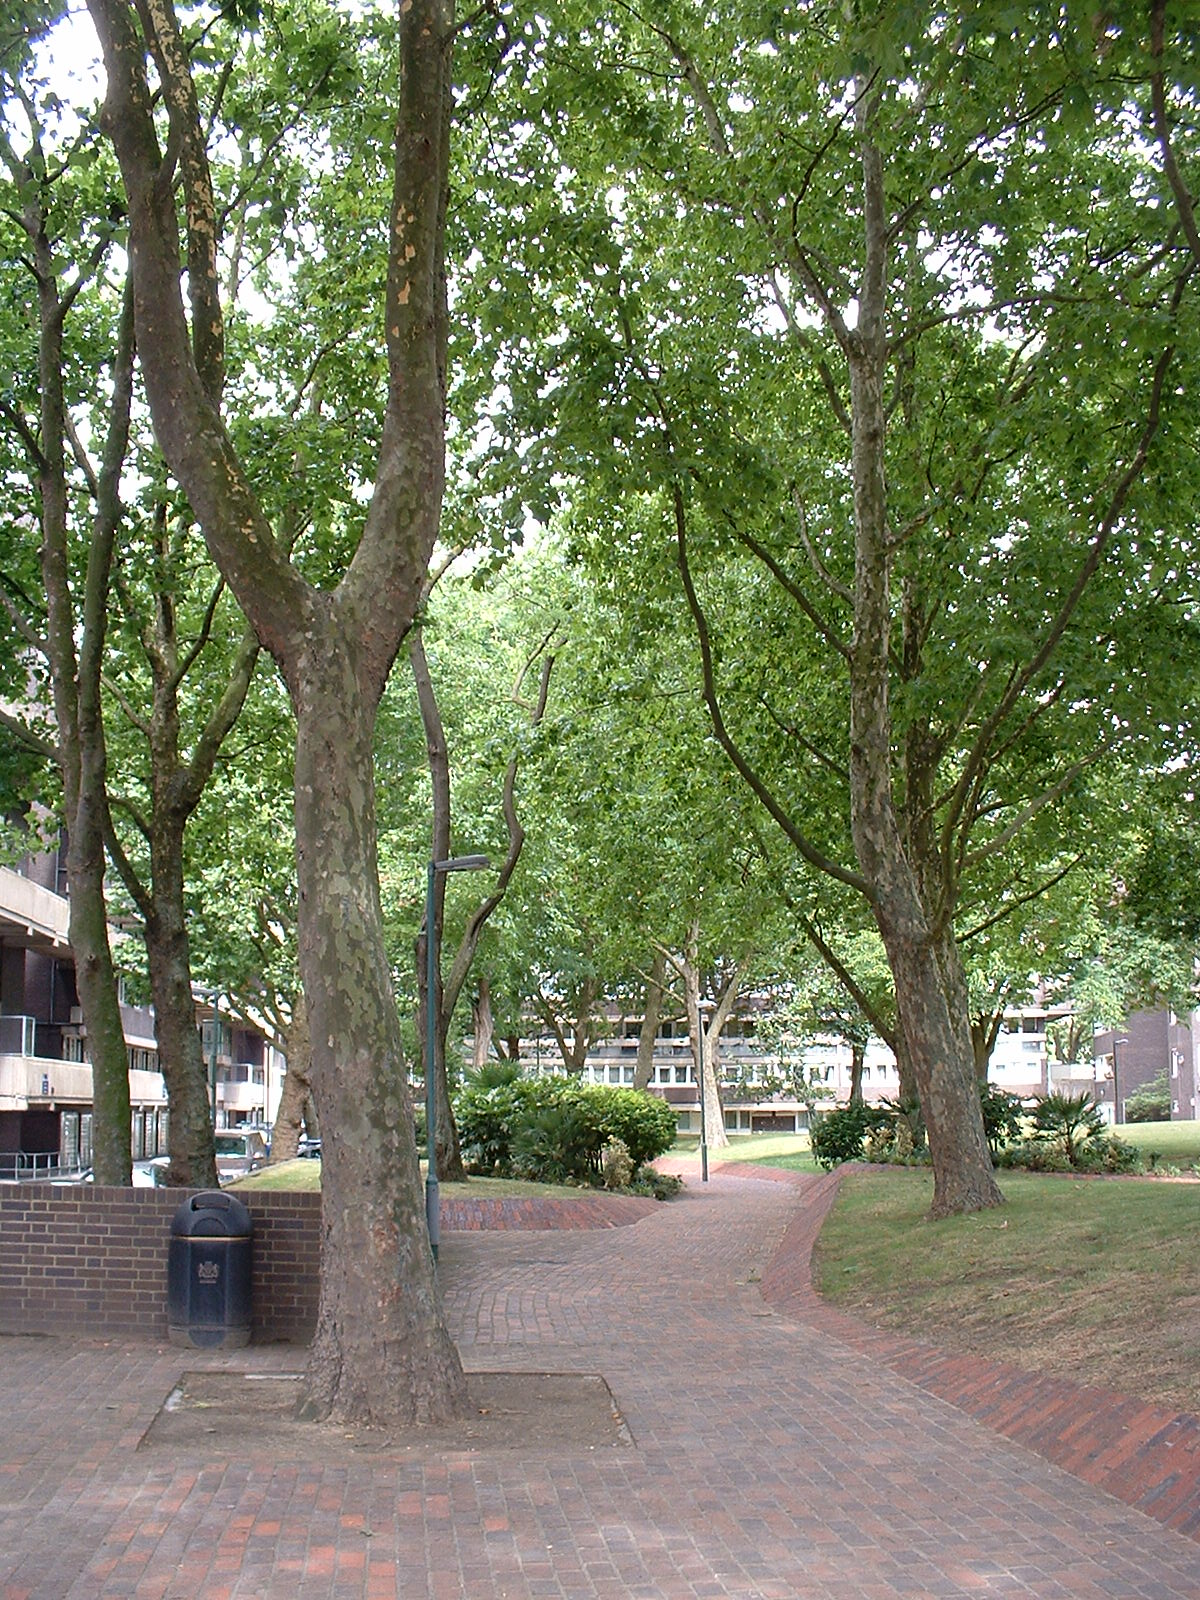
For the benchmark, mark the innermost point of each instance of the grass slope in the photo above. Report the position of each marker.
(1097, 1280)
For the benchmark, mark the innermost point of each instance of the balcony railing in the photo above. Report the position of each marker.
(18, 1036)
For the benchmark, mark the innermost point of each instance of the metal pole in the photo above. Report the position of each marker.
(432, 1218)
(1117, 1118)
(215, 998)
(700, 1032)
(475, 863)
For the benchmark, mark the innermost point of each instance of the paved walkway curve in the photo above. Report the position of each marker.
(772, 1459)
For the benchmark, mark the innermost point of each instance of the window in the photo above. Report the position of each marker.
(681, 1073)
(69, 1139)
(85, 1138)
(627, 1074)
(614, 1074)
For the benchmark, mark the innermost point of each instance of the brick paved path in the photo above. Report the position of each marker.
(772, 1459)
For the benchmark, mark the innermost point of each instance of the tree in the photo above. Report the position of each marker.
(173, 646)
(66, 234)
(381, 1352)
(448, 989)
(903, 506)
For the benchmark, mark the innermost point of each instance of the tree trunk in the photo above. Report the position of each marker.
(96, 984)
(704, 1052)
(385, 1355)
(297, 1087)
(483, 1024)
(74, 650)
(932, 1014)
(858, 1056)
(651, 1015)
(381, 1353)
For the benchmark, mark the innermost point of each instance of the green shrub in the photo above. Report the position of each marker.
(487, 1119)
(1109, 1155)
(559, 1143)
(1002, 1113)
(1151, 1102)
(1034, 1155)
(644, 1124)
(1068, 1123)
(553, 1129)
(840, 1135)
(657, 1185)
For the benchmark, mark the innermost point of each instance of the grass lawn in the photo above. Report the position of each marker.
(1177, 1144)
(305, 1173)
(1096, 1280)
(767, 1149)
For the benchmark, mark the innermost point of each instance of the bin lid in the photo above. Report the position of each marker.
(212, 1214)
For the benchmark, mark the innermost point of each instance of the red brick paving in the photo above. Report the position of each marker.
(778, 1454)
(1146, 1455)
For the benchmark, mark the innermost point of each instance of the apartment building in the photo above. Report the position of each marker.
(45, 1076)
(1022, 1062)
(45, 1073)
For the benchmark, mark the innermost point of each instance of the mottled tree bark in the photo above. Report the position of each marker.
(296, 1094)
(651, 1016)
(74, 647)
(920, 945)
(381, 1353)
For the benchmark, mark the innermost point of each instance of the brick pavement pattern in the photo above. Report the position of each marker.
(773, 1456)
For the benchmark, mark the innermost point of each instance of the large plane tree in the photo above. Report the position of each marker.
(381, 1351)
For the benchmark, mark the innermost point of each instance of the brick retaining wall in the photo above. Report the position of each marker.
(92, 1261)
(88, 1260)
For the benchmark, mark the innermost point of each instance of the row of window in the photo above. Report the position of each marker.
(149, 1126)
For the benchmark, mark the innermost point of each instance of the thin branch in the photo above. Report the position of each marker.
(1009, 906)
(789, 586)
(840, 589)
(807, 849)
(1005, 837)
(35, 742)
(1183, 199)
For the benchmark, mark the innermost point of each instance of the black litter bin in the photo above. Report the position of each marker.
(208, 1272)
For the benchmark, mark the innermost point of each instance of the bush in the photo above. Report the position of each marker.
(558, 1143)
(1002, 1113)
(1151, 1102)
(1068, 1123)
(552, 1130)
(839, 1135)
(657, 1185)
(615, 1166)
(487, 1119)
(1109, 1155)
(644, 1124)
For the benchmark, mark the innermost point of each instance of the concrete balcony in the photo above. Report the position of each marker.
(39, 916)
(241, 1096)
(35, 1081)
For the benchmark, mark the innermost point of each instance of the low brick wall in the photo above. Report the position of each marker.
(92, 1261)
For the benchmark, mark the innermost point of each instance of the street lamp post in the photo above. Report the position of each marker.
(1117, 1117)
(451, 864)
(214, 998)
(703, 1051)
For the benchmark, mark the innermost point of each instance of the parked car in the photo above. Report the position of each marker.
(310, 1148)
(239, 1151)
(151, 1174)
